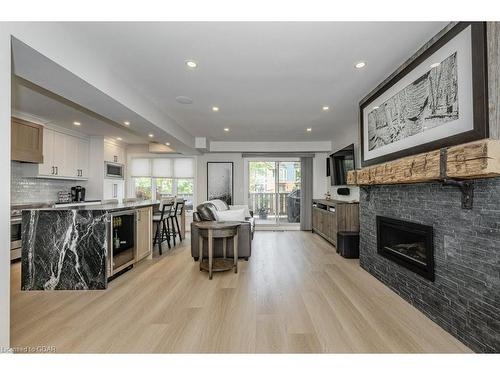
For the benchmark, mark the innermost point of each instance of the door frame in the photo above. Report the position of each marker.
(277, 225)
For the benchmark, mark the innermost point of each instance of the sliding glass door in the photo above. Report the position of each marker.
(274, 192)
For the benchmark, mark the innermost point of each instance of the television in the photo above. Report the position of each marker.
(341, 162)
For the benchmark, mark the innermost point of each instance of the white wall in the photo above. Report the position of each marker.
(319, 175)
(343, 139)
(238, 175)
(4, 186)
(321, 183)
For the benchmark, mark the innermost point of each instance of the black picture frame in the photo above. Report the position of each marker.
(479, 91)
(229, 201)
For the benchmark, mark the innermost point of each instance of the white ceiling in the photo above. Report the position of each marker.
(270, 80)
(49, 108)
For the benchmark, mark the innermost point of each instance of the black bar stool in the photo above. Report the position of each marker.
(174, 227)
(162, 229)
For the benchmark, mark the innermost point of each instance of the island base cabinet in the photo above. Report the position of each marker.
(144, 232)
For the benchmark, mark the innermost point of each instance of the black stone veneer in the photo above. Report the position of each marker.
(464, 299)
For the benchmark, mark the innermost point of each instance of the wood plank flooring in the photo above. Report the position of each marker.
(295, 295)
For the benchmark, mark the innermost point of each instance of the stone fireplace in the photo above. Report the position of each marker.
(463, 258)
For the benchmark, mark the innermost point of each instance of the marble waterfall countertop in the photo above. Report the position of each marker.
(66, 248)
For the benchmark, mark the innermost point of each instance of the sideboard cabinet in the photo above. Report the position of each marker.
(330, 217)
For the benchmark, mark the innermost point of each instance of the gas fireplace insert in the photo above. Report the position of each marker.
(408, 244)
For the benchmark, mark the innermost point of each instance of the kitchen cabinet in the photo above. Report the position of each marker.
(47, 167)
(83, 158)
(64, 157)
(113, 189)
(144, 232)
(70, 150)
(26, 141)
(114, 153)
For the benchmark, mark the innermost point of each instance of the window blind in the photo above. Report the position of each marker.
(162, 167)
(183, 168)
(140, 167)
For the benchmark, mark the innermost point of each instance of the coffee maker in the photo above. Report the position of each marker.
(78, 194)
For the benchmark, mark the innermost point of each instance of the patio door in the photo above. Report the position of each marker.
(274, 193)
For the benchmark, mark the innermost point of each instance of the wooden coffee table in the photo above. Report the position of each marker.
(218, 229)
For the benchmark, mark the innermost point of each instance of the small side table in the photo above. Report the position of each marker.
(218, 229)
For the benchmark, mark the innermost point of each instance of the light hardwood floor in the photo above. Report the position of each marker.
(294, 295)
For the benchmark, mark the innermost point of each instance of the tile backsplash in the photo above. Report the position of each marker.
(35, 190)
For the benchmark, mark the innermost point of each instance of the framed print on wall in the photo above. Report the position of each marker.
(438, 100)
(220, 181)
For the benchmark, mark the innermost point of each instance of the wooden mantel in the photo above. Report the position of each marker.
(479, 159)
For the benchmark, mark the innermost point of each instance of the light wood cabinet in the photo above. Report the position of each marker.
(144, 232)
(331, 217)
(26, 141)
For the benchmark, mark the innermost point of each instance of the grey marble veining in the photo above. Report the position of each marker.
(64, 250)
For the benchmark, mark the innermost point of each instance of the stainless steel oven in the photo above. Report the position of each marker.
(114, 170)
(16, 242)
(15, 238)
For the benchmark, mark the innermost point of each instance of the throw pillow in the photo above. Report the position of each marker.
(231, 215)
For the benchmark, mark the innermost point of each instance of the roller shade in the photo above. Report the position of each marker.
(140, 168)
(183, 168)
(162, 167)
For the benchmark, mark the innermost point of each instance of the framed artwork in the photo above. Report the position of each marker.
(438, 100)
(220, 181)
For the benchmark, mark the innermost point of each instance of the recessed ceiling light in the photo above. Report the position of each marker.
(376, 107)
(119, 138)
(226, 129)
(435, 65)
(326, 108)
(151, 135)
(184, 100)
(167, 143)
(215, 109)
(127, 123)
(360, 65)
(191, 64)
(309, 129)
(76, 123)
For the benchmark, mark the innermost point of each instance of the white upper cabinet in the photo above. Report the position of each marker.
(68, 166)
(47, 167)
(114, 153)
(64, 156)
(83, 158)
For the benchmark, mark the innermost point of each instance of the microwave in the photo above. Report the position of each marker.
(114, 170)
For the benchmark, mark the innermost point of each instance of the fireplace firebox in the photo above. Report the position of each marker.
(409, 244)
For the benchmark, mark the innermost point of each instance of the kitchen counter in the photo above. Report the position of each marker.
(108, 207)
(66, 248)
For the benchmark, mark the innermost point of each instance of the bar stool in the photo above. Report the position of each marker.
(160, 219)
(173, 225)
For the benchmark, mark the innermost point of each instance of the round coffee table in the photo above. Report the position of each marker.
(218, 229)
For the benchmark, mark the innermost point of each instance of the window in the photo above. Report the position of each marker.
(143, 187)
(157, 177)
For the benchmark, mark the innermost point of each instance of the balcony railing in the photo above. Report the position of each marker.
(275, 204)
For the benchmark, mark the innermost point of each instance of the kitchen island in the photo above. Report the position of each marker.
(81, 247)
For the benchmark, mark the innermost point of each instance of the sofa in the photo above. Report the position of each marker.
(208, 211)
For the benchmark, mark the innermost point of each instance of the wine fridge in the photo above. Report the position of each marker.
(121, 241)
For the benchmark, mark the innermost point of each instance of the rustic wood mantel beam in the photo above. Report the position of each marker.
(479, 159)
